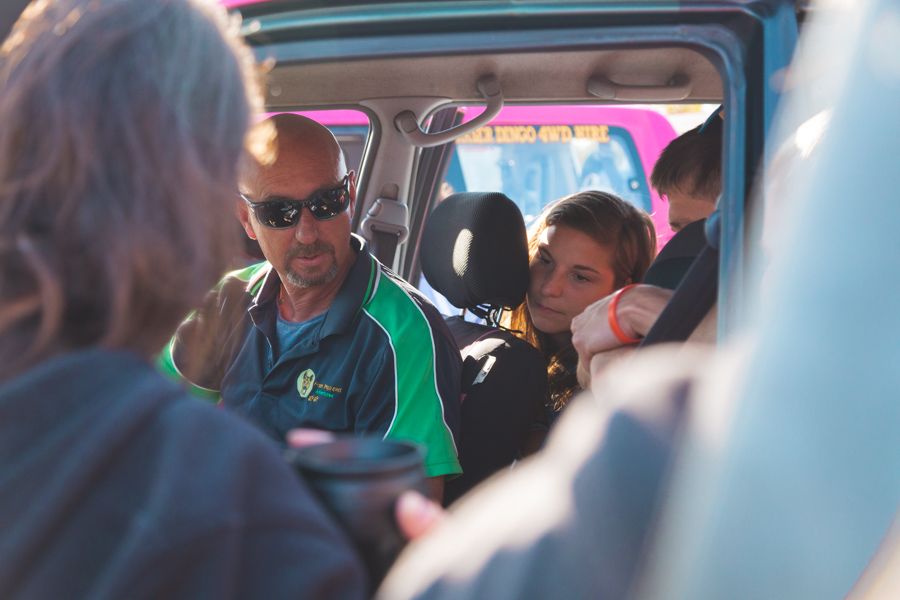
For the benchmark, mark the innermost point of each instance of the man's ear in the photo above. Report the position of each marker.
(351, 175)
(243, 215)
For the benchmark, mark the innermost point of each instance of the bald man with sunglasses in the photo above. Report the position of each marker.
(321, 335)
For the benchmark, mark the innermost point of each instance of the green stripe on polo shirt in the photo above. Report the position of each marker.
(165, 362)
(247, 274)
(419, 415)
(166, 365)
(373, 273)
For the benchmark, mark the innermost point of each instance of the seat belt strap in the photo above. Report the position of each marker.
(384, 245)
(386, 225)
(694, 296)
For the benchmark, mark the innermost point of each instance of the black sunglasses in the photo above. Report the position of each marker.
(280, 213)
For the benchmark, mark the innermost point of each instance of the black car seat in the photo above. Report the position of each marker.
(675, 259)
(475, 253)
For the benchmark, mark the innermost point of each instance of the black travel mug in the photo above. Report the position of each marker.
(358, 479)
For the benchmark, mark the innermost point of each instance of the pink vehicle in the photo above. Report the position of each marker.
(540, 153)
(536, 154)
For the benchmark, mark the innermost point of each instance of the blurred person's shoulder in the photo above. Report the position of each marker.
(133, 455)
(586, 503)
(228, 301)
(243, 281)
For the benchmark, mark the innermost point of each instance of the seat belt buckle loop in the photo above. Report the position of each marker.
(386, 215)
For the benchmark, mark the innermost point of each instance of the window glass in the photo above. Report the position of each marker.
(537, 154)
(535, 164)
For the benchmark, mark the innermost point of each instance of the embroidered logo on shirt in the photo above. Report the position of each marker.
(323, 390)
(305, 382)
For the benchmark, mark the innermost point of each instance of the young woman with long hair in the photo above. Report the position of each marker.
(582, 248)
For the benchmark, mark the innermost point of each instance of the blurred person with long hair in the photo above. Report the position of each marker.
(123, 125)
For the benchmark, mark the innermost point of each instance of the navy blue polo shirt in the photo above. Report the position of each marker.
(381, 361)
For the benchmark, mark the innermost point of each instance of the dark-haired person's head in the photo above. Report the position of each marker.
(689, 173)
(123, 125)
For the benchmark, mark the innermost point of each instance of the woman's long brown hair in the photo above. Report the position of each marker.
(613, 223)
(121, 127)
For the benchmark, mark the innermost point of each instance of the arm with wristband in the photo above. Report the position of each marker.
(617, 321)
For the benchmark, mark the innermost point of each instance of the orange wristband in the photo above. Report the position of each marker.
(614, 321)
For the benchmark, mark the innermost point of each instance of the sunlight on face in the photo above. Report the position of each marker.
(570, 271)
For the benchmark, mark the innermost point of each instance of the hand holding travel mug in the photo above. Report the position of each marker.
(358, 479)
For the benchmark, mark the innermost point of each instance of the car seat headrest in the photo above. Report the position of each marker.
(475, 252)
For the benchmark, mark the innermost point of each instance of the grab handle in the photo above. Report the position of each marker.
(408, 125)
(677, 88)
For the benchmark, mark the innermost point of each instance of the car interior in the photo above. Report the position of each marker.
(420, 73)
(403, 67)
(411, 72)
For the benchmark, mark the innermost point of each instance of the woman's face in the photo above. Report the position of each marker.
(569, 272)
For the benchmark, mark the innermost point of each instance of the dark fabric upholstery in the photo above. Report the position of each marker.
(504, 387)
(475, 250)
(674, 260)
(695, 295)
